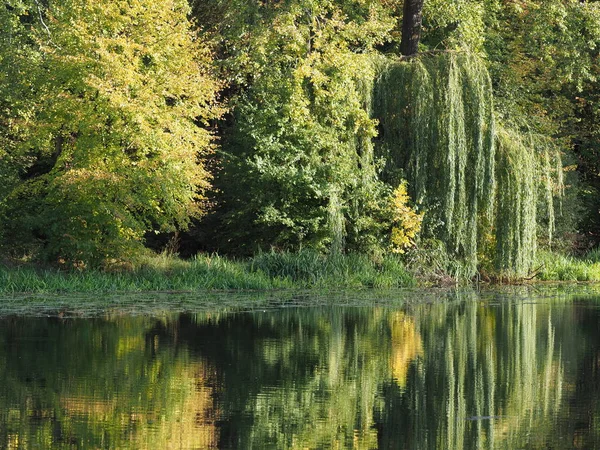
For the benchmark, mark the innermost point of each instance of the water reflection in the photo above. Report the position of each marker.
(464, 374)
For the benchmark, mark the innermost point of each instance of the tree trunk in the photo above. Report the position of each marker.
(411, 26)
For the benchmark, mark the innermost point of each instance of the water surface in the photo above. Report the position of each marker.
(391, 370)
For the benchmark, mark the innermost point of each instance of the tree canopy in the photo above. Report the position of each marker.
(298, 123)
(105, 122)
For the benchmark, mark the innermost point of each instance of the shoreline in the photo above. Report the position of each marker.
(270, 273)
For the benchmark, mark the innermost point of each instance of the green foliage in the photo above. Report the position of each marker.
(516, 224)
(544, 62)
(101, 112)
(105, 111)
(541, 53)
(437, 127)
(558, 267)
(454, 25)
(527, 183)
(251, 36)
(437, 118)
(298, 166)
(154, 274)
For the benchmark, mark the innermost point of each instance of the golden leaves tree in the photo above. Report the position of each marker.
(108, 126)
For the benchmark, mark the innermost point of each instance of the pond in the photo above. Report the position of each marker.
(510, 369)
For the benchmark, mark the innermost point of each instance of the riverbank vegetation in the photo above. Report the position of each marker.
(334, 143)
(285, 270)
(300, 270)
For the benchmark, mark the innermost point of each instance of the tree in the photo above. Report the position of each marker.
(106, 110)
(297, 163)
(411, 26)
(437, 124)
(543, 59)
(437, 130)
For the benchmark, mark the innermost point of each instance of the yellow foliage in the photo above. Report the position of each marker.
(407, 346)
(119, 102)
(406, 221)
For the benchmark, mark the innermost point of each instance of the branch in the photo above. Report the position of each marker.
(39, 8)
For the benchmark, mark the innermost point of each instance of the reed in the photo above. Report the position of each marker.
(557, 267)
(275, 270)
(308, 268)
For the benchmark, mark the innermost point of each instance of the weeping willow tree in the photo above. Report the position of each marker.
(526, 182)
(476, 183)
(437, 128)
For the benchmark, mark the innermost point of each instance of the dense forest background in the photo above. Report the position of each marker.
(239, 126)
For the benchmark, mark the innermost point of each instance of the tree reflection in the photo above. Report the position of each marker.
(489, 378)
(453, 374)
(99, 384)
(406, 346)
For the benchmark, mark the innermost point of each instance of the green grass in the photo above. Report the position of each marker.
(305, 269)
(266, 271)
(557, 267)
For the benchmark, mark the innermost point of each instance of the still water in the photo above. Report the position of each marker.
(441, 370)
